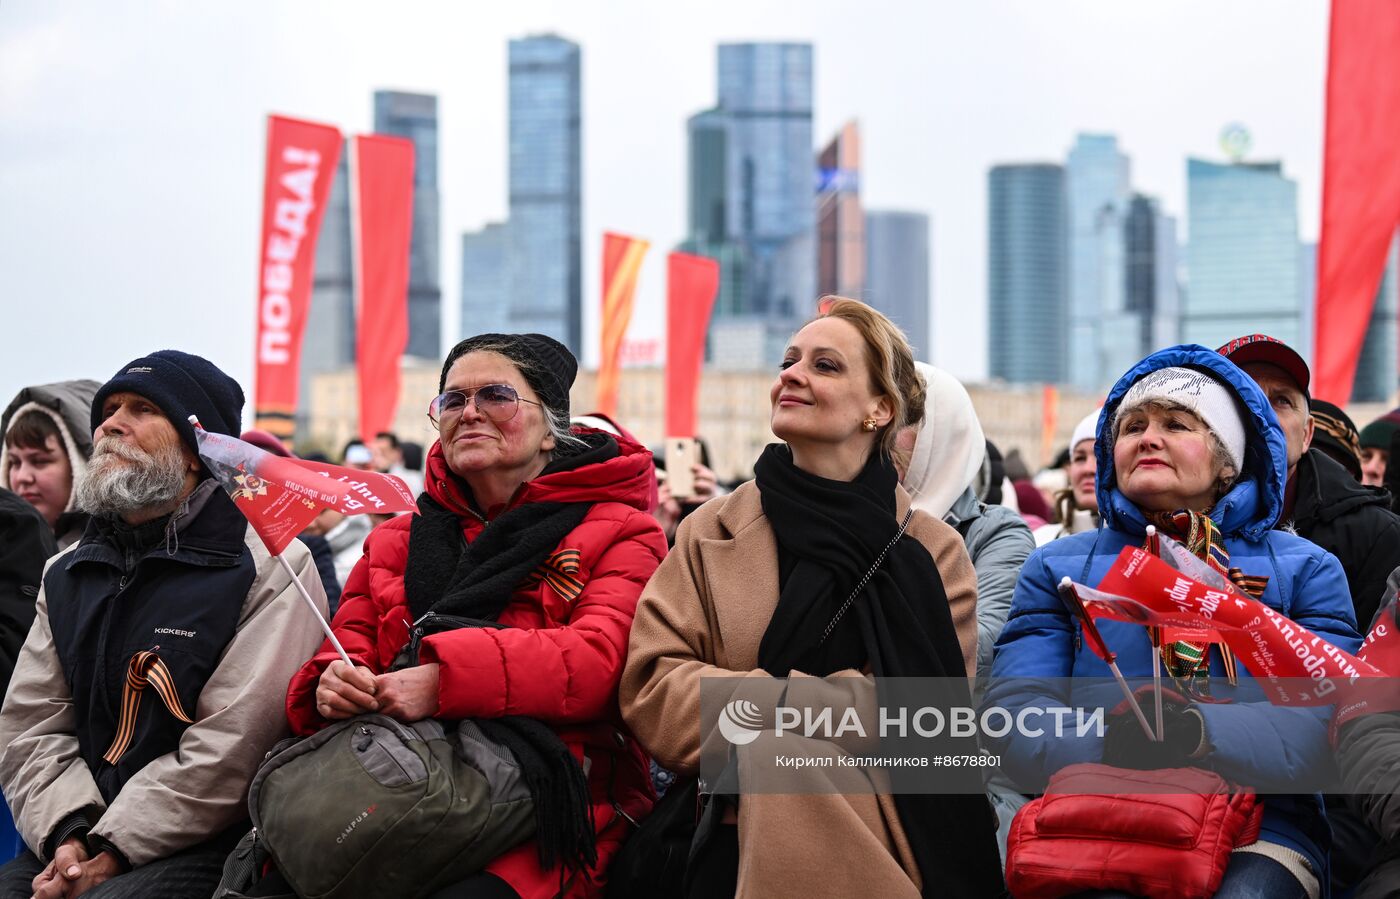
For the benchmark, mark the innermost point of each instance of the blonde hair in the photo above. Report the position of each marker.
(890, 360)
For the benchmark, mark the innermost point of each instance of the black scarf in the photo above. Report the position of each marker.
(447, 576)
(829, 533)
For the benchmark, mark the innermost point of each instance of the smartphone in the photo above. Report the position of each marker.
(681, 454)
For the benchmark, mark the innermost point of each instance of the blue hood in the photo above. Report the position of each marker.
(1256, 501)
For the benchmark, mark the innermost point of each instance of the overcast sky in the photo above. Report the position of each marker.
(132, 133)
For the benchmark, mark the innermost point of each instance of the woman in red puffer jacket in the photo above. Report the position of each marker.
(541, 539)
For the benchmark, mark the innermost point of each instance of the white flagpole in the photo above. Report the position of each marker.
(1066, 589)
(311, 603)
(1155, 633)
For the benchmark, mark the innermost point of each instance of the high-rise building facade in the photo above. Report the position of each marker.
(897, 273)
(840, 219)
(708, 210)
(486, 280)
(1243, 255)
(546, 189)
(414, 116)
(750, 191)
(765, 91)
(1098, 189)
(1027, 279)
(1150, 295)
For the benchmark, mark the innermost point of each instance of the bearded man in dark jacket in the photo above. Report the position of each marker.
(1324, 503)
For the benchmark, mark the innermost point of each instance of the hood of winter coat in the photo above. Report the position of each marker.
(69, 405)
(622, 473)
(949, 450)
(1254, 503)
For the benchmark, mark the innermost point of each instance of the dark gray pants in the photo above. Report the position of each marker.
(189, 874)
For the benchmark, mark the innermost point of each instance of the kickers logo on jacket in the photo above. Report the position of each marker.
(354, 823)
(740, 722)
(174, 632)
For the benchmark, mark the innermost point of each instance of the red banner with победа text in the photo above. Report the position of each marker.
(301, 161)
(381, 224)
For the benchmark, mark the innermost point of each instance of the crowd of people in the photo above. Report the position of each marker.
(556, 593)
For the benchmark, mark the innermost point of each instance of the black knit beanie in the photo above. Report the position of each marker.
(181, 385)
(546, 363)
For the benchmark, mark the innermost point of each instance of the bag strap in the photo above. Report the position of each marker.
(868, 575)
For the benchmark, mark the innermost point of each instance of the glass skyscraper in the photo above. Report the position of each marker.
(752, 179)
(1243, 254)
(1150, 293)
(840, 219)
(1098, 183)
(414, 116)
(1026, 273)
(546, 189)
(897, 272)
(751, 192)
(486, 286)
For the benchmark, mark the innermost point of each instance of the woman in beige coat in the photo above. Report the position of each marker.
(758, 584)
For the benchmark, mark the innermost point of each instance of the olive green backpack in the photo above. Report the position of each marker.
(370, 807)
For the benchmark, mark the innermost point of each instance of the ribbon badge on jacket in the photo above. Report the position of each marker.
(560, 571)
(146, 669)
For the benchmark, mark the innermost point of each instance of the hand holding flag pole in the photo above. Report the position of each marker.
(1071, 599)
(280, 496)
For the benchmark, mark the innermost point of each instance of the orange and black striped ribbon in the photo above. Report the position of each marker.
(560, 571)
(146, 669)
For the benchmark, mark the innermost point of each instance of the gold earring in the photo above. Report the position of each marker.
(868, 425)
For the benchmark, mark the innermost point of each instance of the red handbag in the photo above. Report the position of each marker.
(1166, 833)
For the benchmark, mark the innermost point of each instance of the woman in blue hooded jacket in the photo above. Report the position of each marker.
(1186, 442)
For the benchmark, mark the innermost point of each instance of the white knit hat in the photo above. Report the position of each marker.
(1086, 429)
(1210, 400)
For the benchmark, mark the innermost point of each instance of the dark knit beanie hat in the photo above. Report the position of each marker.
(546, 363)
(181, 385)
(1335, 434)
(1377, 434)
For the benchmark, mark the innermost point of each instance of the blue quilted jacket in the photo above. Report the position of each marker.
(1253, 742)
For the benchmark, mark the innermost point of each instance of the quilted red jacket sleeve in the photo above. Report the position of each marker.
(560, 675)
(356, 626)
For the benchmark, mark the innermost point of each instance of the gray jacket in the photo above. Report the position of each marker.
(186, 796)
(998, 541)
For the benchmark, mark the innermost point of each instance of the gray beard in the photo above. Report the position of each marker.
(116, 488)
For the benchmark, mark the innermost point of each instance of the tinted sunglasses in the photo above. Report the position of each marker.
(498, 402)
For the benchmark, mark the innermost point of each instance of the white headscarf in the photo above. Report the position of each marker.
(950, 447)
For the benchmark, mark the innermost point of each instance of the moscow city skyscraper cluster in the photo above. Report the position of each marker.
(1085, 276)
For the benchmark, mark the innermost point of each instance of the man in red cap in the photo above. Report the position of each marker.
(1324, 503)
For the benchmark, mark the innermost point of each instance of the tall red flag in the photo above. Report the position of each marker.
(1360, 184)
(691, 285)
(622, 260)
(301, 161)
(381, 223)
